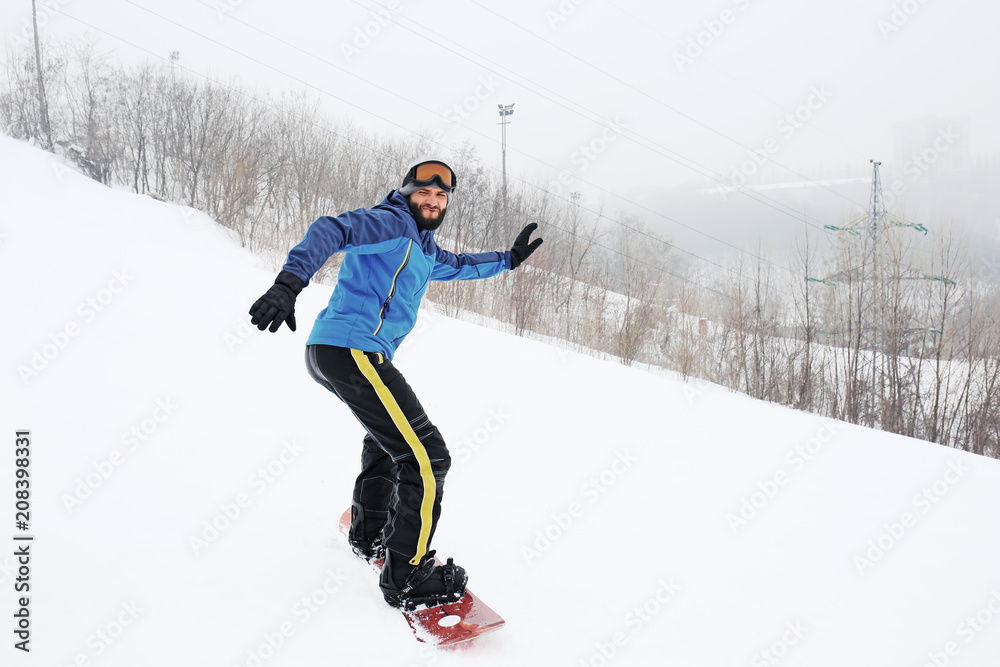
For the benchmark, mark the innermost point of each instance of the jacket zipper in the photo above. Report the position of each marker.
(392, 290)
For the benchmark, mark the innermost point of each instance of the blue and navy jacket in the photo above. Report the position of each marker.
(384, 274)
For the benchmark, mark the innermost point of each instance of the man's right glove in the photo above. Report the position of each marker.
(522, 249)
(277, 305)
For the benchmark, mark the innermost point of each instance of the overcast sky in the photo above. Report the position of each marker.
(612, 97)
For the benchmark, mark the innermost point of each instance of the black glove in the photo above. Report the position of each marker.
(277, 305)
(522, 249)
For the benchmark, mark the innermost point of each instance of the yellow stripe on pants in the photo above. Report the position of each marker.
(399, 419)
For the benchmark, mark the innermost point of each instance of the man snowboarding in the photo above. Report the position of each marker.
(390, 255)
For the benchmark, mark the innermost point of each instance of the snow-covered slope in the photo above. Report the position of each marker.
(187, 476)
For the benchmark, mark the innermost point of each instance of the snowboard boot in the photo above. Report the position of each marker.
(407, 587)
(371, 549)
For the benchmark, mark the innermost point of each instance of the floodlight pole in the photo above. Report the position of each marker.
(505, 110)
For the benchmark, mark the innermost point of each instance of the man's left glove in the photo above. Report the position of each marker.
(277, 305)
(522, 249)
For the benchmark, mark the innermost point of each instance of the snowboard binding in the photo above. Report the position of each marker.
(427, 585)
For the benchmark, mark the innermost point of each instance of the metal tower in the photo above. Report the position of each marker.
(505, 110)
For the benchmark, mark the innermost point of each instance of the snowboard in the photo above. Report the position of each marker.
(446, 624)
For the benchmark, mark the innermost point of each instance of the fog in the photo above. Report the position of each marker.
(732, 123)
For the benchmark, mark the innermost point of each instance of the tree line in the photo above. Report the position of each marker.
(909, 346)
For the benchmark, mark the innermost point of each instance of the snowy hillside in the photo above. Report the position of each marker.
(187, 476)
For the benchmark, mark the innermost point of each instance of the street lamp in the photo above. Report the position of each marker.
(505, 110)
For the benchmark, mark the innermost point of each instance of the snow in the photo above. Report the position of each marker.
(613, 516)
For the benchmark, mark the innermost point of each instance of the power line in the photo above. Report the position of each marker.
(649, 26)
(648, 96)
(624, 226)
(663, 151)
(406, 129)
(686, 162)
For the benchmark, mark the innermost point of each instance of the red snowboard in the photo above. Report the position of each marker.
(446, 624)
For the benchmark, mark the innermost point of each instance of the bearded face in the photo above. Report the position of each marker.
(428, 206)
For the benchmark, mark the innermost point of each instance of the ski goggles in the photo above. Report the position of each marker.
(436, 174)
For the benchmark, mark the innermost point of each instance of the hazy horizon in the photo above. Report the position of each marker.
(624, 102)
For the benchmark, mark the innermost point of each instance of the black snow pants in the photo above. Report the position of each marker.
(404, 459)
